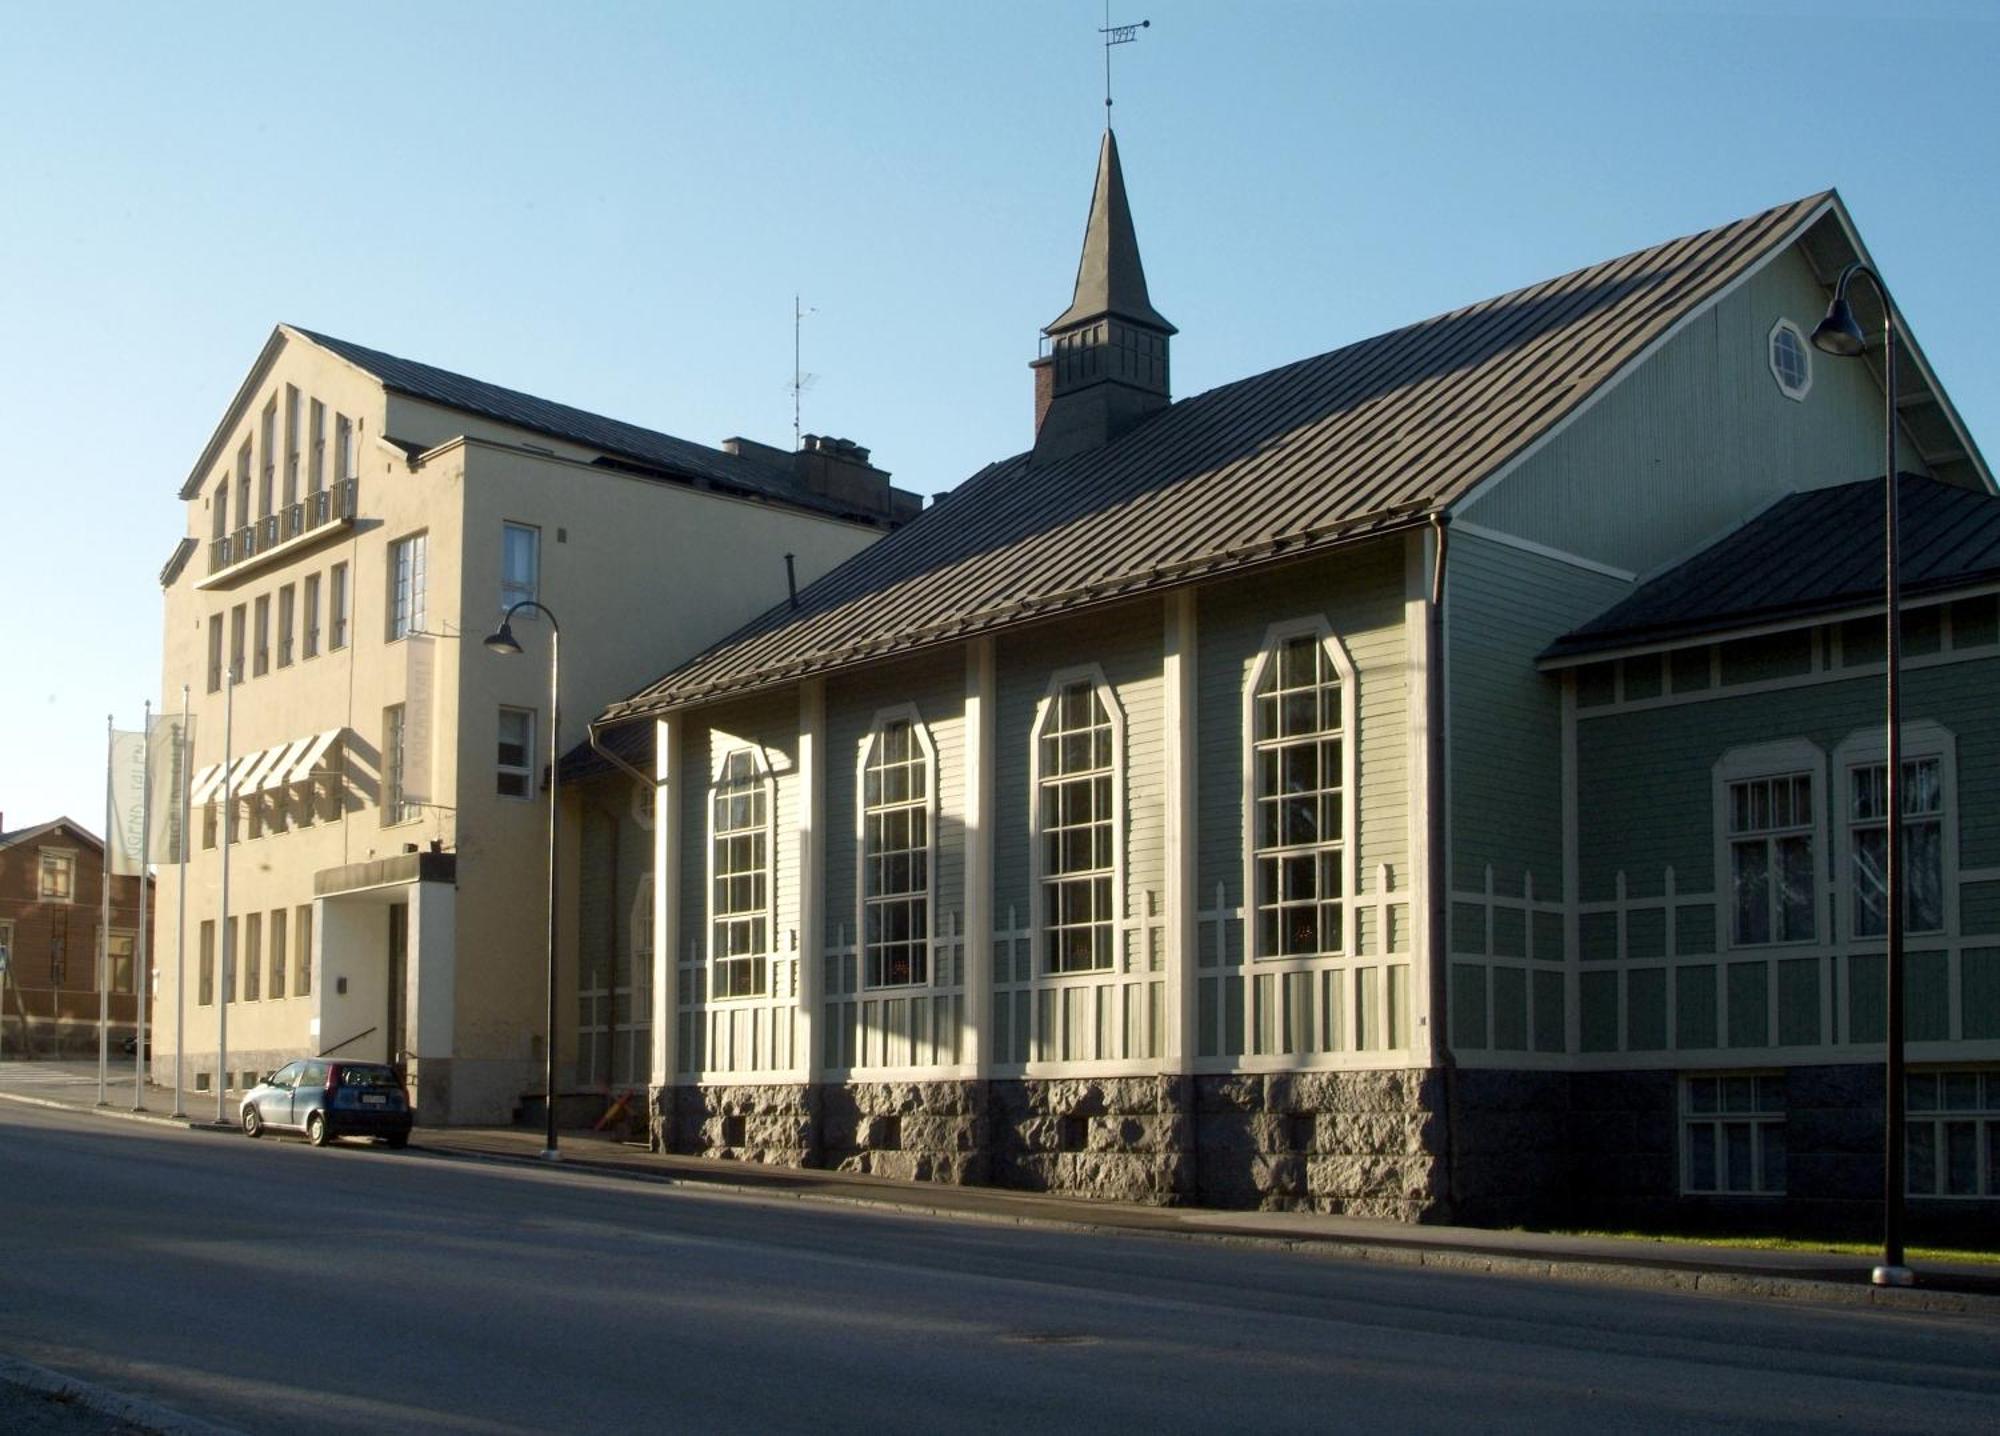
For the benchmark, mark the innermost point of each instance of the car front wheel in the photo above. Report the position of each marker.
(253, 1122)
(316, 1132)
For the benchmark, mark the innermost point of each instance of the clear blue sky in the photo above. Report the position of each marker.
(612, 205)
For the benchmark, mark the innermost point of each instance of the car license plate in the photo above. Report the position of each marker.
(373, 1101)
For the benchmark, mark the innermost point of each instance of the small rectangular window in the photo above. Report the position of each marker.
(516, 754)
(309, 644)
(215, 653)
(1733, 1135)
(336, 607)
(58, 877)
(120, 952)
(406, 586)
(287, 623)
(261, 653)
(520, 564)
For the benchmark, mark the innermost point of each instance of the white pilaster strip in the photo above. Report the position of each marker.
(1419, 555)
(979, 716)
(812, 874)
(1179, 673)
(666, 895)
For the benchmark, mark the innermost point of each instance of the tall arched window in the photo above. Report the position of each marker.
(897, 831)
(1300, 728)
(1077, 823)
(740, 875)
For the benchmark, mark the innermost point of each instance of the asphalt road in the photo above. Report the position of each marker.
(278, 1288)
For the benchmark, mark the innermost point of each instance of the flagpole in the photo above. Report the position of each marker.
(180, 926)
(141, 947)
(226, 972)
(104, 935)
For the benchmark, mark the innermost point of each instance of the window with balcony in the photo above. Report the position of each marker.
(515, 772)
(309, 637)
(406, 586)
(336, 607)
(291, 455)
(261, 654)
(218, 508)
(267, 435)
(316, 455)
(343, 445)
(288, 597)
(520, 564)
(244, 529)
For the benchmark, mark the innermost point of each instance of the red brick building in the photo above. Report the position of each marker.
(51, 906)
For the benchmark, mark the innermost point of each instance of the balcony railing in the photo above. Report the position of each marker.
(316, 510)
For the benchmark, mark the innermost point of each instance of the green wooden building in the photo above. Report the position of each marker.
(1351, 787)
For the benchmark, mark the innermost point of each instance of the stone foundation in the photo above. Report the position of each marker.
(1363, 1143)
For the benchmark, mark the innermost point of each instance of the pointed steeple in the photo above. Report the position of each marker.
(1106, 365)
(1109, 277)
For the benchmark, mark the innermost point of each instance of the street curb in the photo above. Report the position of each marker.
(1649, 1275)
(132, 1410)
(1568, 1269)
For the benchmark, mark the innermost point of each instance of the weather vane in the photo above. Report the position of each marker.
(1116, 35)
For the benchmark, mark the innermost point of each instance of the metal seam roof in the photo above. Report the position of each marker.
(1310, 453)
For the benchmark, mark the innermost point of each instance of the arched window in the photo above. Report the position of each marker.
(898, 829)
(1078, 822)
(740, 850)
(1300, 729)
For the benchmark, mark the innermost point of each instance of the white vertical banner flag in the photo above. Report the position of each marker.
(419, 705)
(126, 840)
(172, 742)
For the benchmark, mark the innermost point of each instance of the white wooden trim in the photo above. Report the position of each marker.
(811, 837)
(1037, 936)
(907, 713)
(666, 896)
(1427, 1028)
(976, 1042)
(1717, 689)
(1574, 560)
(1181, 682)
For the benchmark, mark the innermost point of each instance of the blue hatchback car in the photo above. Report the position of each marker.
(327, 1099)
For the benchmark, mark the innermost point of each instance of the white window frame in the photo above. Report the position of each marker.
(1062, 678)
(900, 713)
(1869, 747)
(1758, 1117)
(1785, 386)
(409, 565)
(1984, 1115)
(1750, 763)
(512, 592)
(1275, 637)
(526, 770)
(764, 772)
(65, 857)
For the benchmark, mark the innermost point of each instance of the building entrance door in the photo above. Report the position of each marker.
(397, 1018)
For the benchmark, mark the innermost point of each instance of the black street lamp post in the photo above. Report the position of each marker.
(1839, 334)
(502, 641)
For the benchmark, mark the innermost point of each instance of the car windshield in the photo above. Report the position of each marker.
(368, 1077)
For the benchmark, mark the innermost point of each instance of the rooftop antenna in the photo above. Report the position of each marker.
(801, 381)
(1116, 35)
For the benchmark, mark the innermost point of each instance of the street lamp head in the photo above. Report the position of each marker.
(1838, 333)
(502, 640)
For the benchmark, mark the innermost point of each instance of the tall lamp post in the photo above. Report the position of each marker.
(1839, 334)
(502, 640)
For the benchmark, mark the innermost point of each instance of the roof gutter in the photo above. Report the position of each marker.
(644, 780)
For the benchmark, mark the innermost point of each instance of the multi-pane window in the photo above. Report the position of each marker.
(515, 770)
(520, 564)
(309, 646)
(205, 981)
(121, 952)
(394, 809)
(336, 607)
(288, 598)
(1922, 800)
(406, 586)
(896, 857)
(1953, 1134)
(278, 969)
(1771, 827)
(1733, 1135)
(1298, 751)
(261, 660)
(1076, 813)
(58, 877)
(740, 876)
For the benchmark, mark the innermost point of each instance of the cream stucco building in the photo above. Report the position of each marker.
(354, 527)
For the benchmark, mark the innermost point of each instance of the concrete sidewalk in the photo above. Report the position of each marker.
(1669, 1265)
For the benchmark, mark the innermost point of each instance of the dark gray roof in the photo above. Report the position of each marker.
(1811, 552)
(171, 570)
(83, 834)
(1109, 277)
(645, 447)
(1365, 439)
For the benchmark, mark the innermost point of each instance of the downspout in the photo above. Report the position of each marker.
(1439, 866)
